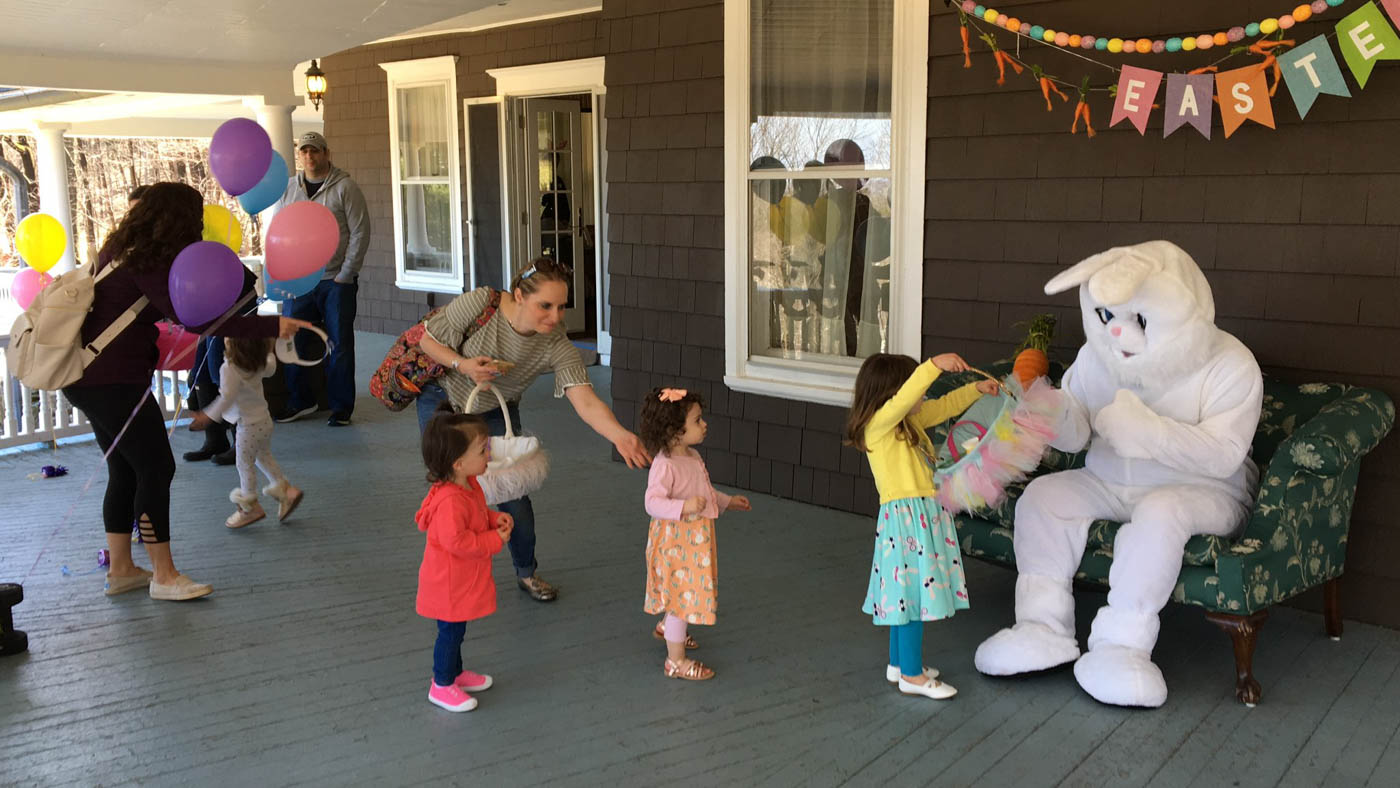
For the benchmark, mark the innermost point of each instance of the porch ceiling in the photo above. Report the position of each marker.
(188, 46)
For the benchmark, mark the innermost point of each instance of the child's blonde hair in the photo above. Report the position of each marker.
(879, 378)
(248, 354)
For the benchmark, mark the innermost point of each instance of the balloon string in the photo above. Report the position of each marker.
(106, 455)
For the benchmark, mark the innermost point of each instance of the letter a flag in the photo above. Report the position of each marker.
(1365, 37)
(1244, 95)
(1136, 89)
(1188, 102)
(1312, 69)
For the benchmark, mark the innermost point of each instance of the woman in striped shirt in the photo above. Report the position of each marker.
(527, 330)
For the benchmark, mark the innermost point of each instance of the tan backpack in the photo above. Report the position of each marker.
(46, 341)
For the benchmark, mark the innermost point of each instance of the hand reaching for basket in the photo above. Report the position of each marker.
(988, 387)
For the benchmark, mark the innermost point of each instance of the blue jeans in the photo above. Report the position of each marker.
(208, 357)
(332, 304)
(907, 648)
(447, 652)
(522, 538)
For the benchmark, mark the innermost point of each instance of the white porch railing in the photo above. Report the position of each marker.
(33, 416)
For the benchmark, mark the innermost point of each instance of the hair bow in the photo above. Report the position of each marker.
(671, 395)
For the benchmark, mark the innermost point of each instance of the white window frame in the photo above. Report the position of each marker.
(432, 71)
(811, 380)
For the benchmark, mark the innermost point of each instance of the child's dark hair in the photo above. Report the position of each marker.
(248, 353)
(447, 438)
(662, 421)
(879, 378)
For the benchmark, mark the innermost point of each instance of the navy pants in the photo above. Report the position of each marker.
(447, 652)
(332, 304)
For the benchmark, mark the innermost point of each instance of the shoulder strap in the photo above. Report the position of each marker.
(123, 320)
(492, 304)
(119, 325)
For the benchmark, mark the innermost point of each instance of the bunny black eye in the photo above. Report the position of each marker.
(1142, 322)
(1104, 315)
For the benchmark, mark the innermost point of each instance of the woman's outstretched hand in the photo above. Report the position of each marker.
(988, 387)
(632, 451)
(949, 362)
(287, 327)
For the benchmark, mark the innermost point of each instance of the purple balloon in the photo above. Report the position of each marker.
(205, 280)
(239, 155)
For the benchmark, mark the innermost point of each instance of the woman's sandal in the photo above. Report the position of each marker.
(660, 634)
(693, 671)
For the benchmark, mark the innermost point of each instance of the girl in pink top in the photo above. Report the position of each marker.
(681, 542)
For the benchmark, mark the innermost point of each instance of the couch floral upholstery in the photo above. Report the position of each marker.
(1309, 446)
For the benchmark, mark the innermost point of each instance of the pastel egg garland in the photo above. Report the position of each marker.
(1143, 46)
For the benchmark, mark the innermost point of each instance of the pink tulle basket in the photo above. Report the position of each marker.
(974, 474)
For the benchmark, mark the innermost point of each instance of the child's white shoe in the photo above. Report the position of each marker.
(288, 498)
(933, 688)
(892, 673)
(249, 511)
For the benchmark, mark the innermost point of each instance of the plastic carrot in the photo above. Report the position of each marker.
(1032, 360)
(967, 52)
(1004, 60)
(1046, 85)
(1266, 48)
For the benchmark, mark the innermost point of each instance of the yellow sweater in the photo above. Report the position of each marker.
(899, 468)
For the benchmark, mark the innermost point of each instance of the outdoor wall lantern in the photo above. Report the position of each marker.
(315, 84)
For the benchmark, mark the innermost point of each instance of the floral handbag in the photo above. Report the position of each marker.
(406, 369)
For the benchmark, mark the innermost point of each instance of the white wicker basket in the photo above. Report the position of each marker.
(518, 463)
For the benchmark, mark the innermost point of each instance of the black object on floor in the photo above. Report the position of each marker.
(12, 641)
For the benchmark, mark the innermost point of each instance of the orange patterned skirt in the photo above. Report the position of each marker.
(681, 569)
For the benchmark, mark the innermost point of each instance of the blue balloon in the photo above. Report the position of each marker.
(268, 190)
(281, 291)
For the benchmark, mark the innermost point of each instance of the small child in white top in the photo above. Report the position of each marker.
(241, 402)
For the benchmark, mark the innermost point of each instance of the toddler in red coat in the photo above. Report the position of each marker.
(454, 582)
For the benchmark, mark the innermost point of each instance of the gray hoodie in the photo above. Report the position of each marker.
(345, 201)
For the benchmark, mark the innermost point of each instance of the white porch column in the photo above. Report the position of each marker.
(276, 120)
(53, 185)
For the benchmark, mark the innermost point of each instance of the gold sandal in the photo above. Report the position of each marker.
(694, 671)
(660, 634)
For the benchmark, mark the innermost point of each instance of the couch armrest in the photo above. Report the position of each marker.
(1341, 433)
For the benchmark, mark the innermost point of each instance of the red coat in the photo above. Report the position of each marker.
(454, 582)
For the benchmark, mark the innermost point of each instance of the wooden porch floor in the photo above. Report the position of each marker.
(308, 665)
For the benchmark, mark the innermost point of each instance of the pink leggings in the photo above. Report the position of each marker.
(674, 628)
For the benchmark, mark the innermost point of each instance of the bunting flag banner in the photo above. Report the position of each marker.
(1244, 95)
(1312, 69)
(1365, 38)
(1188, 102)
(1137, 87)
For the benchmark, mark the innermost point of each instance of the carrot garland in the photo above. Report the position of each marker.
(1047, 84)
(1270, 60)
(967, 51)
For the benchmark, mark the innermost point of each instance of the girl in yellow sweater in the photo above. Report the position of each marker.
(917, 572)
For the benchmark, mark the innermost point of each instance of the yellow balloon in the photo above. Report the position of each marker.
(221, 225)
(41, 241)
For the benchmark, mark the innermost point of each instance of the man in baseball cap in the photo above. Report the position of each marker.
(333, 300)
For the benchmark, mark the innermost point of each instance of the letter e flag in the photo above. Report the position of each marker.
(1137, 87)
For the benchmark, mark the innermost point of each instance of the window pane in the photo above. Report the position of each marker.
(819, 263)
(424, 135)
(820, 82)
(561, 130)
(427, 227)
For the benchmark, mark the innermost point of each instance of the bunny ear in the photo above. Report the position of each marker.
(1082, 271)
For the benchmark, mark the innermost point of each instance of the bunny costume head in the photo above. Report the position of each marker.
(1167, 405)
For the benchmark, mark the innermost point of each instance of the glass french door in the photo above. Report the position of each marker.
(554, 183)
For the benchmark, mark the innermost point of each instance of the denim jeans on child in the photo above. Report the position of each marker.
(447, 652)
(522, 537)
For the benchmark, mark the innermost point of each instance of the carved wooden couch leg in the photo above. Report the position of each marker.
(1244, 633)
(1332, 607)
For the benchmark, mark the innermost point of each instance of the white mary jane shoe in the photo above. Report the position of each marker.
(935, 689)
(892, 673)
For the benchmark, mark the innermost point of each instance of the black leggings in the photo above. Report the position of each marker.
(140, 469)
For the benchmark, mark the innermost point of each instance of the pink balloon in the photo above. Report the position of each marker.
(300, 240)
(27, 284)
(176, 346)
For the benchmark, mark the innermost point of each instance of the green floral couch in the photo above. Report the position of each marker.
(1309, 446)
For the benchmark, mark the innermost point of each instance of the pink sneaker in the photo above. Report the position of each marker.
(451, 698)
(469, 681)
